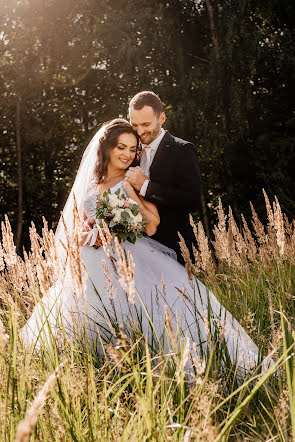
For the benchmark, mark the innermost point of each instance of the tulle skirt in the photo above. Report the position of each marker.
(162, 302)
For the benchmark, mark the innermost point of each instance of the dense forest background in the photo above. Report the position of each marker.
(224, 70)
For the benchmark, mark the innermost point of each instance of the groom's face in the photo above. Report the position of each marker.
(147, 123)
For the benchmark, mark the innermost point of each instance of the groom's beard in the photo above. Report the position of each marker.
(149, 137)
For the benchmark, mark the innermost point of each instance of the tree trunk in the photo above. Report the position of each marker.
(205, 213)
(213, 29)
(223, 109)
(19, 178)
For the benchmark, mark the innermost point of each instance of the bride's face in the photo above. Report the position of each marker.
(122, 155)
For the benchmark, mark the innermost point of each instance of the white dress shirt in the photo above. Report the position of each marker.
(147, 156)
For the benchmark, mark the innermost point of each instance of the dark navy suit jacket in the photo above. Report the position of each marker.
(175, 188)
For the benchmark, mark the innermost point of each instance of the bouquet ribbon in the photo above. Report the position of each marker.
(92, 237)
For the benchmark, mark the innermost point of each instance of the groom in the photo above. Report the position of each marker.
(169, 173)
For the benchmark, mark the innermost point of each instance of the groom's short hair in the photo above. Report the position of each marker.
(146, 98)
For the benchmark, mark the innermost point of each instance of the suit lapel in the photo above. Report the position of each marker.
(162, 150)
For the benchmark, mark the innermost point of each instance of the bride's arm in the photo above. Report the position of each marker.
(150, 211)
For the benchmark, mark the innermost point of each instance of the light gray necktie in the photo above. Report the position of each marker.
(146, 158)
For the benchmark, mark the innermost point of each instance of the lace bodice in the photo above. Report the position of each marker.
(90, 204)
(92, 197)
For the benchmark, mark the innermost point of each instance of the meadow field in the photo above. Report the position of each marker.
(134, 392)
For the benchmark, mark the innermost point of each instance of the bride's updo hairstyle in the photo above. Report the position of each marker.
(109, 140)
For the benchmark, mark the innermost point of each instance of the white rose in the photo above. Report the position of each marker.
(114, 201)
(136, 219)
(117, 212)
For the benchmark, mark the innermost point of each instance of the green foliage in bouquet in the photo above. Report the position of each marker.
(122, 216)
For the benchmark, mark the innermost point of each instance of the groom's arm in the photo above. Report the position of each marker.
(186, 192)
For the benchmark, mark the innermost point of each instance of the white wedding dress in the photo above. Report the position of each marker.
(188, 302)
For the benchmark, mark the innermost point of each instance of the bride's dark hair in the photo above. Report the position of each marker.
(112, 130)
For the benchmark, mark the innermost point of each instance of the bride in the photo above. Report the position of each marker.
(162, 294)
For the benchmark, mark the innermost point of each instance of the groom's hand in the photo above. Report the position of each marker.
(136, 177)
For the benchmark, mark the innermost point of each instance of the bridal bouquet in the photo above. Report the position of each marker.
(122, 215)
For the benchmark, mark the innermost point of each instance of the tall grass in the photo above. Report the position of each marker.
(134, 392)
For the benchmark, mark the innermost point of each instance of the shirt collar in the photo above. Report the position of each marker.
(155, 144)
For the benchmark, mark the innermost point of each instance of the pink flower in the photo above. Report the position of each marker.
(126, 204)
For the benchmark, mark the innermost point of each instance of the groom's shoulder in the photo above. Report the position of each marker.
(179, 143)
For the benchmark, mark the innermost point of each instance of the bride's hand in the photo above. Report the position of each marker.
(84, 230)
(87, 225)
(82, 238)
